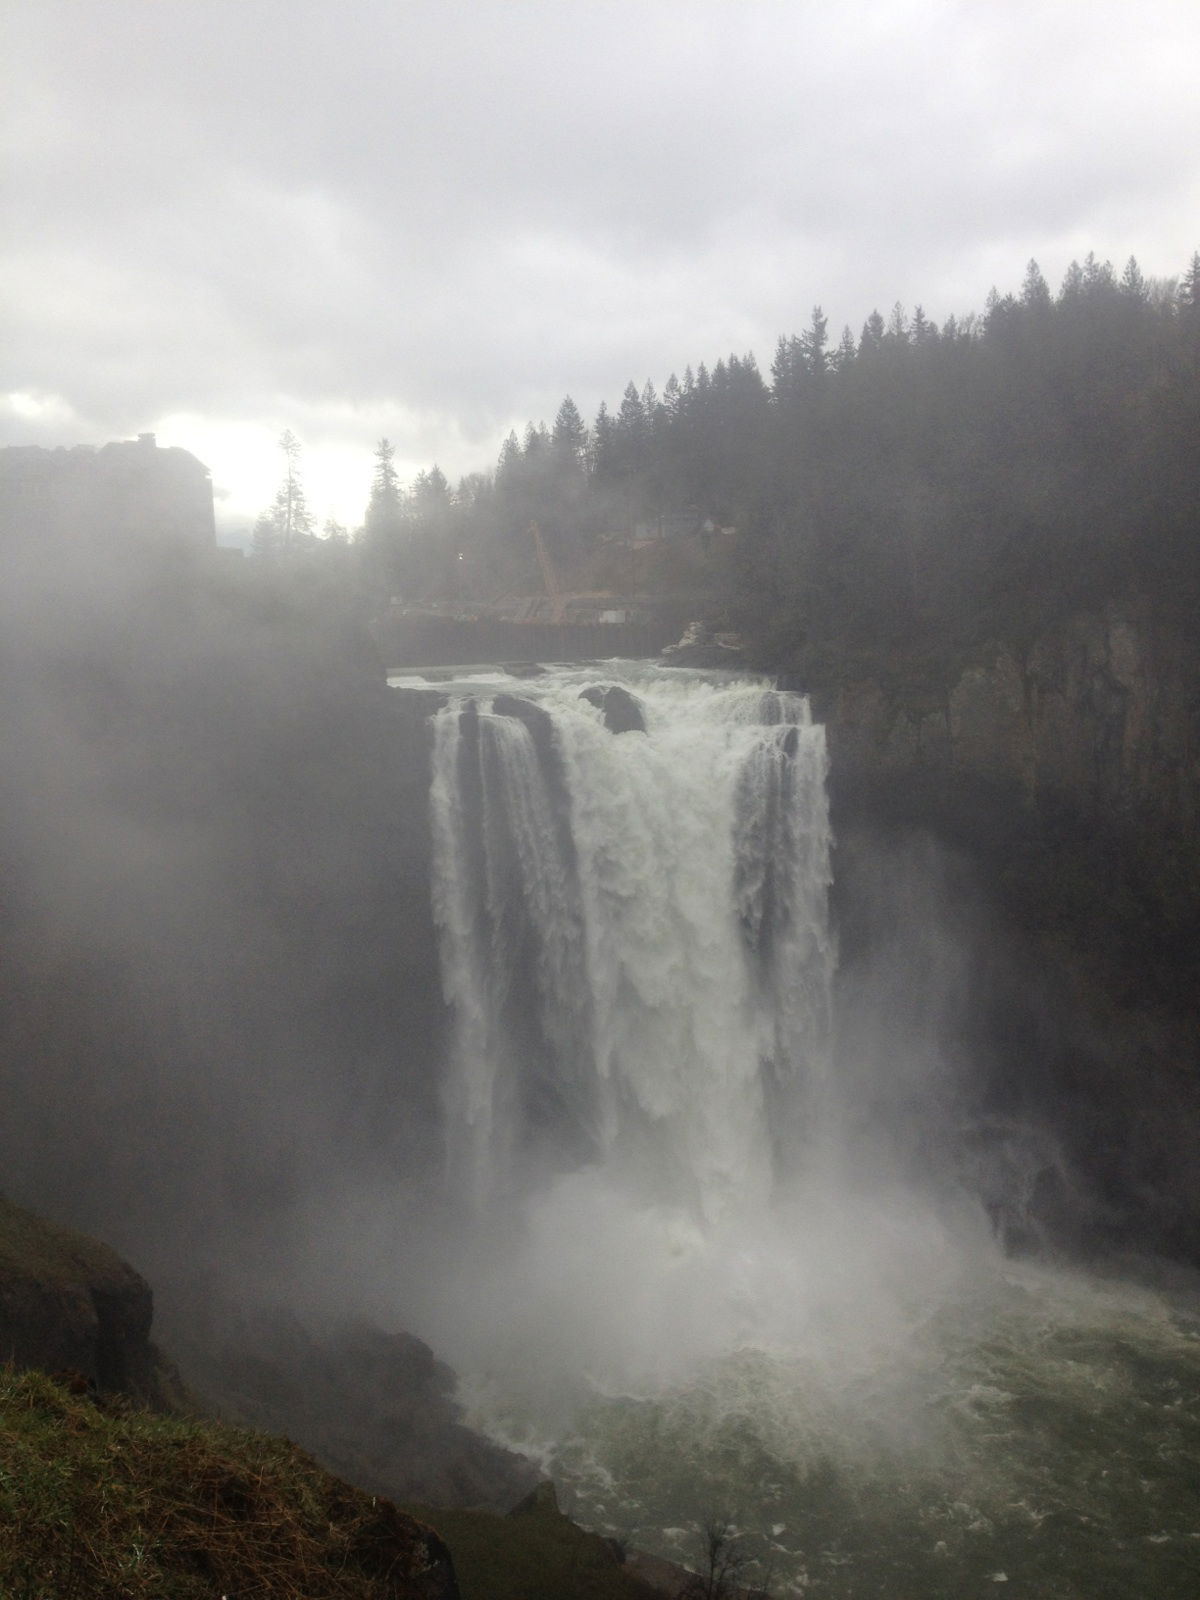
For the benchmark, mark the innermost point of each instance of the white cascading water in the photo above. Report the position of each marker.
(652, 905)
(641, 1110)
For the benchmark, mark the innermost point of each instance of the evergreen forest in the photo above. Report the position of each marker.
(914, 482)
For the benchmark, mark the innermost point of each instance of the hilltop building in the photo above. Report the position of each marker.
(130, 493)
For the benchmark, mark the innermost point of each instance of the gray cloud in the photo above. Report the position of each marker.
(437, 219)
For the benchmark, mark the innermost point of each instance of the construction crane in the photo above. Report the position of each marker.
(549, 578)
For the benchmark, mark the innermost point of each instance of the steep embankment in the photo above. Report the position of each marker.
(100, 1494)
(97, 1500)
(1067, 771)
(377, 1408)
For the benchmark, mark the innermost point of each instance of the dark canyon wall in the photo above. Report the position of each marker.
(1098, 716)
(1065, 776)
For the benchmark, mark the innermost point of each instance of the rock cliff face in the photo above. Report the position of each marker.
(1101, 715)
(70, 1303)
(1067, 772)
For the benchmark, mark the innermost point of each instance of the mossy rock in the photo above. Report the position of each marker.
(68, 1301)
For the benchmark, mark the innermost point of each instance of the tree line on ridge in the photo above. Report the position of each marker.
(986, 474)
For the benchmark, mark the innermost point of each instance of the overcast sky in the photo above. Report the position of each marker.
(433, 220)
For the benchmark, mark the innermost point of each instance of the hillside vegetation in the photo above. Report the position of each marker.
(101, 1500)
(917, 489)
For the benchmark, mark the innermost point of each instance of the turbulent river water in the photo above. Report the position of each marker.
(698, 1283)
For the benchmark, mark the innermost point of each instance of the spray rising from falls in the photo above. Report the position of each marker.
(634, 936)
(710, 1256)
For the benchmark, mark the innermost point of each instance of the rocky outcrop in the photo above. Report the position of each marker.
(621, 710)
(377, 1408)
(538, 721)
(1100, 715)
(70, 1304)
(701, 645)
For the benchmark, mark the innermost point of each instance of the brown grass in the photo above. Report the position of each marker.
(105, 1502)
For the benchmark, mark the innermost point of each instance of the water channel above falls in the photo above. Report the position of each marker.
(696, 1273)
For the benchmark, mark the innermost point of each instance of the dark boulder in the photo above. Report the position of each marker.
(539, 722)
(622, 711)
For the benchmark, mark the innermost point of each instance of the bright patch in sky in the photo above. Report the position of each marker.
(51, 409)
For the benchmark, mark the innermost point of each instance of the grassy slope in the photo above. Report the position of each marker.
(35, 1249)
(102, 1501)
(107, 1501)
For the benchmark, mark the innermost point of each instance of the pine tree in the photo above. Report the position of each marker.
(508, 467)
(606, 448)
(1099, 279)
(631, 417)
(1189, 289)
(1133, 285)
(652, 406)
(384, 505)
(1001, 313)
(897, 328)
(1035, 291)
(1072, 285)
(872, 335)
(843, 357)
(812, 345)
(288, 526)
(784, 368)
(924, 332)
(569, 436)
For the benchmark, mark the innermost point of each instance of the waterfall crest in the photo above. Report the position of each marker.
(634, 935)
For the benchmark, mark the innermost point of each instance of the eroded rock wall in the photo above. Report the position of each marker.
(1067, 772)
(1101, 715)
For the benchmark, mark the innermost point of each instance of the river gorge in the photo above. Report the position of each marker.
(776, 1107)
(741, 1230)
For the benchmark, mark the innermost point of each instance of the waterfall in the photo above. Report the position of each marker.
(633, 933)
(690, 1254)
